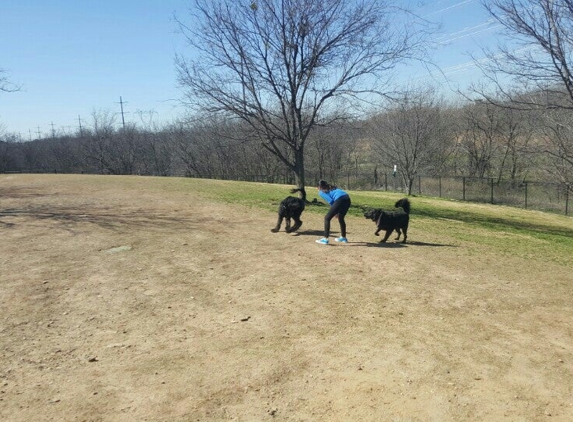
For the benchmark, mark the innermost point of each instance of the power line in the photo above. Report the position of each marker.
(466, 32)
(461, 3)
(470, 34)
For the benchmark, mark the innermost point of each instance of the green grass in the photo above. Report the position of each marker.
(502, 229)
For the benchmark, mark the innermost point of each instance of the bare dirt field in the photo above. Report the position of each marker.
(144, 299)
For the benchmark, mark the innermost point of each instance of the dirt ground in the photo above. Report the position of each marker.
(127, 299)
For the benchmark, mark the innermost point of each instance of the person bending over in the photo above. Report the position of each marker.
(339, 202)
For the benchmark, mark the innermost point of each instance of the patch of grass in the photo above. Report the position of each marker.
(502, 229)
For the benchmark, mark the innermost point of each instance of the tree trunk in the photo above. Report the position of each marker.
(298, 169)
(408, 183)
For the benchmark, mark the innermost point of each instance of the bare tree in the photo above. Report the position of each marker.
(479, 139)
(413, 135)
(194, 150)
(515, 140)
(10, 153)
(533, 68)
(278, 64)
(330, 152)
(157, 156)
(556, 135)
(98, 142)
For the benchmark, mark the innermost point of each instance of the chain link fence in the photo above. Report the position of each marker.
(542, 196)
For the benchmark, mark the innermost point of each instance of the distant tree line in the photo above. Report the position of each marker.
(421, 134)
(278, 91)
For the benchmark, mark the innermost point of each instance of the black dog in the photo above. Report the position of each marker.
(290, 207)
(391, 220)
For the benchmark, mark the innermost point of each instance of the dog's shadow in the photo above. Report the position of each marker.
(431, 244)
(399, 244)
(385, 245)
(353, 243)
(390, 244)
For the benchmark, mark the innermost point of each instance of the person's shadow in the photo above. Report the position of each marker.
(389, 244)
(309, 233)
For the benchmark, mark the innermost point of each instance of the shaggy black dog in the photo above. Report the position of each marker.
(291, 207)
(391, 220)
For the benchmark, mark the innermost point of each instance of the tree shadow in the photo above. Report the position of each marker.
(22, 193)
(498, 222)
(116, 220)
(7, 225)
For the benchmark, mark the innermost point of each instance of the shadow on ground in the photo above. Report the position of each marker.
(320, 233)
(106, 218)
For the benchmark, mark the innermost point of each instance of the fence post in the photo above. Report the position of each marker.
(566, 199)
(492, 190)
(385, 182)
(463, 188)
(420, 185)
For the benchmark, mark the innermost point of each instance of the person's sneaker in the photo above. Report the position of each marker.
(341, 240)
(323, 241)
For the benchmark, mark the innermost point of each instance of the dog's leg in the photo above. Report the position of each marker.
(297, 224)
(387, 235)
(399, 233)
(378, 225)
(278, 226)
(405, 229)
(287, 224)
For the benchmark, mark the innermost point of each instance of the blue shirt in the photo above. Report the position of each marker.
(332, 195)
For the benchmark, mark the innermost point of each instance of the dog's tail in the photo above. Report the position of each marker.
(301, 191)
(403, 203)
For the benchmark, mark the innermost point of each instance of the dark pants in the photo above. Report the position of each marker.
(340, 207)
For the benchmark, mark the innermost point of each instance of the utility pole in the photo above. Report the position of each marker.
(53, 131)
(38, 132)
(122, 117)
(30, 134)
(80, 123)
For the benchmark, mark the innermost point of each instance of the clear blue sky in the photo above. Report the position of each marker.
(74, 57)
